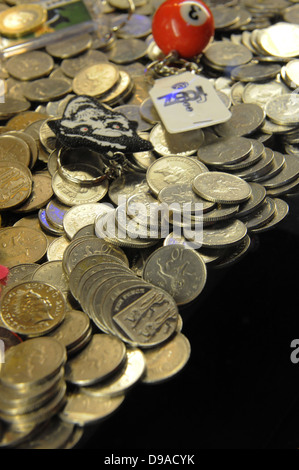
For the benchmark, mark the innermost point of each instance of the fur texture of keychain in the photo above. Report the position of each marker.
(89, 124)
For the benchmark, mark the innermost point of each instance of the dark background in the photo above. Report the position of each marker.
(239, 389)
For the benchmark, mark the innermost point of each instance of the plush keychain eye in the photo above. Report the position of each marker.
(184, 26)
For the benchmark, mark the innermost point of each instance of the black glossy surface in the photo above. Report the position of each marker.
(240, 388)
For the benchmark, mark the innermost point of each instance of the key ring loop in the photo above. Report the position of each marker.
(73, 179)
(172, 64)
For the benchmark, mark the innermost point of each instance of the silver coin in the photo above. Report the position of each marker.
(289, 173)
(70, 47)
(225, 151)
(255, 72)
(149, 301)
(281, 211)
(52, 273)
(254, 156)
(21, 272)
(246, 119)
(278, 165)
(262, 215)
(125, 51)
(57, 248)
(171, 170)
(136, 26)
(270, 127)
(132, 112)
(286, 189)
(291, 14)
(223, 234)
(264, 165)
(261, 93)
(172, 145)
(72, 194)
(84, 247)
(124, 380)
(126, 185)
(233, 254)
(86, 231)
(55, 212)
(46, 225)
(82, 215)
(221, 187)
(224, 17)
(284, 109)
(148, 112)
(178, 270)
(83, 266)
(258, 194)
(183, 195)
(71, 67)
(226, 54)
(85, 410)
(237, 93)
(270, 40)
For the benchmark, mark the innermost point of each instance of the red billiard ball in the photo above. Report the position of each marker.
(184, 26)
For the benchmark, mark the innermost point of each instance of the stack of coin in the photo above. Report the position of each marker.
(34, 391)
(78, 243)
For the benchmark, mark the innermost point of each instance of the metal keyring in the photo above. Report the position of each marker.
(172, 64)
(65, 174)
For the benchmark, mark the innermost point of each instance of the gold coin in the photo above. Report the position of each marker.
(20, 245)
(32, 308)
(95, 80)
(32, 221)
(12, 106)
(119, 90)
(40, 195)
(46, 89)
(13, 149)
(30, 66)
(22, 19)
(23, 120)
(31, 144)
(15, 184)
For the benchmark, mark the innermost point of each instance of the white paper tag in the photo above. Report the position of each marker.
(187, 102)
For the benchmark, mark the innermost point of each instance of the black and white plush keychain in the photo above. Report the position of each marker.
(88, 124)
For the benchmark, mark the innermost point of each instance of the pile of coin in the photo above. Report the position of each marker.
(34, 391)
(80, 277)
